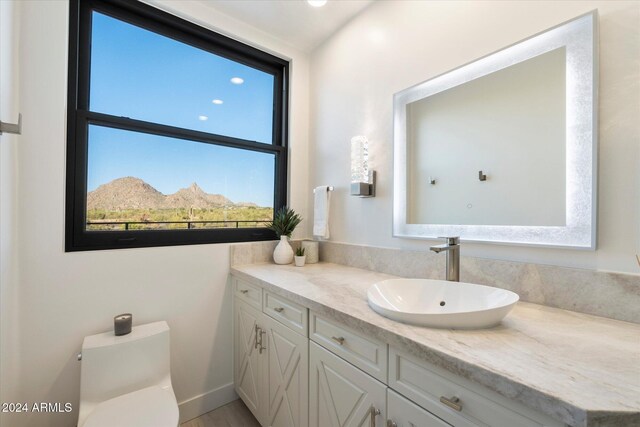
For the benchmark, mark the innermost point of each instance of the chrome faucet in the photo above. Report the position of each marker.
(452, 247)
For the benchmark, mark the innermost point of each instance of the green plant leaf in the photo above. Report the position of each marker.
(285, 221)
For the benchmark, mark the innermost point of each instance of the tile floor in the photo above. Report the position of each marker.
(234, 414)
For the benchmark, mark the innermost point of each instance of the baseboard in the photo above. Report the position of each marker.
(206, 402)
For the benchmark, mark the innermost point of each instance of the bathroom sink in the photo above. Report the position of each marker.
(440, 303)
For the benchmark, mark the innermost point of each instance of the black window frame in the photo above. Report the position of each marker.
(79, 118)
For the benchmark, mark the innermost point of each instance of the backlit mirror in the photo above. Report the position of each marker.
(503, 149)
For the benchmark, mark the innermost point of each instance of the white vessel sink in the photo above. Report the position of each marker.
(441, 304)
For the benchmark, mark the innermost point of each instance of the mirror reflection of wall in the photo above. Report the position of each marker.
(511, 124)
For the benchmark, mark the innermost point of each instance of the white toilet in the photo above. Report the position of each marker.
(125, 380)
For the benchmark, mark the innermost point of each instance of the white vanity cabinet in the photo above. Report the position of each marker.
(296, 368)
(271, 371)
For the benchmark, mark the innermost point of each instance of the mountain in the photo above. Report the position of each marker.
(134, 193)
(125, 193)
(195, 197)
(246, 205)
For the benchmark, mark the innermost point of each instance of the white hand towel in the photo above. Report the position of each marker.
(321, 199)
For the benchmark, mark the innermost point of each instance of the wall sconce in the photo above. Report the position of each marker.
(363, 180)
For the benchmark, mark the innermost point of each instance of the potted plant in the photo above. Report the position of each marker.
(300, 257)
(284, 222)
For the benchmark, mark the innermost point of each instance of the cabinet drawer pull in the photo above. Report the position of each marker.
(339, 340)
(391, 423)
(374, 412)
(244, 291)
(279, 309)
(453, 402)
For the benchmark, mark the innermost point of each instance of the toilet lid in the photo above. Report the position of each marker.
(149, 407)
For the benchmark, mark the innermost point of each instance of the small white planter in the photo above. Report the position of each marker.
(283, 254)
(299, 260)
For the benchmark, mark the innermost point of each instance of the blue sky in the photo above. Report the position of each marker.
(139, 74)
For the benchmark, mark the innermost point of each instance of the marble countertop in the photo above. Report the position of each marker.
(580, 369)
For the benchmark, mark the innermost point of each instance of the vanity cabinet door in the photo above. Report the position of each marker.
(248, 363)
(341, 395)
(402, 412)
(287, 376)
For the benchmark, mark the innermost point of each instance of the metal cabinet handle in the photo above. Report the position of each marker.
(339, 340)
(255, 338)
(453, 402)
(391, 423)
(373, 412)
(258, 342)
(262, 347)
(279, 309)
(244, 291)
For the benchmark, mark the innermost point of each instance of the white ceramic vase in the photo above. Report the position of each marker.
(283, 254)
(299, 260)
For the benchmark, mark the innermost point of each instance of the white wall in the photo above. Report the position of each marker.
(65, 296)
(9, 358)
(394, 45)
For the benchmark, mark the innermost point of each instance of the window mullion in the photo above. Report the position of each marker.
(126, 123)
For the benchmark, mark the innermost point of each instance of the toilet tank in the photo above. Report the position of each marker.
(115, 365)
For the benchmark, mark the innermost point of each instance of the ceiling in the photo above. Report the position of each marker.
(294, 21)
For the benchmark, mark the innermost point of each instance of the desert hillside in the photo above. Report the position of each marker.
(133, 193)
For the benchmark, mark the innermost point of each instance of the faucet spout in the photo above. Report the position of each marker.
(441, 248)
(452, 248)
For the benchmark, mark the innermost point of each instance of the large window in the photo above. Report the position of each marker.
(176, 134)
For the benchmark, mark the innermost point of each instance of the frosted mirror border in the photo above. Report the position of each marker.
(579, 38)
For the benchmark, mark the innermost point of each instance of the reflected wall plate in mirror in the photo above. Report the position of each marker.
(503, 149)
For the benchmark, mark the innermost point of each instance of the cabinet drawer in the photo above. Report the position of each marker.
(286, 312)
(366, 353)
(251, 294)
(426, 384)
